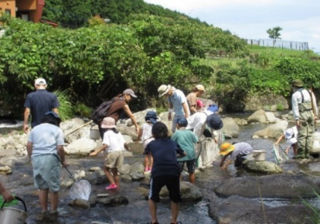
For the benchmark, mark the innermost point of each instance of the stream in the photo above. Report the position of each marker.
(20, 182)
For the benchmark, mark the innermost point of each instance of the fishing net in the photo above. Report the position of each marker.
(279, 154)
(80, 190)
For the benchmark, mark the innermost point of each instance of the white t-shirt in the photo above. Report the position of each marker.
(197, 120)
(146, 134)
(114, 141)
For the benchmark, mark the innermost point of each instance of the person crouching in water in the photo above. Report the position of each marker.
(237, 153)
(186, 139)
(145, 135)
(114, 143)
(165, 170)
(45, 147)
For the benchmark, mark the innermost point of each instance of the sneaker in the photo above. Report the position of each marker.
(111, 187)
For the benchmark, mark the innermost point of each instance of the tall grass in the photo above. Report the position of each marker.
(65, 105)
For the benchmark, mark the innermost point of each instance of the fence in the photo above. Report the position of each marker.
(294, 45)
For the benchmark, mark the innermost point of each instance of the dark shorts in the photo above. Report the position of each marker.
(191, 165)
(239, 161)
(173, 186)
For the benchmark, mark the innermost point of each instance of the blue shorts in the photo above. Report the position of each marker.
(46, 172)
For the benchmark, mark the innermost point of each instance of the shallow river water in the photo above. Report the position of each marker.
(136, 211)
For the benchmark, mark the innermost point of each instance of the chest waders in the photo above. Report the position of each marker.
(306, 128)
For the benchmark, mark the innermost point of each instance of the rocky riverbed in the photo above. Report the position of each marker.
(217, 197)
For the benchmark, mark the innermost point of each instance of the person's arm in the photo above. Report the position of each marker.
(185, 109)
(98, 150)
(170, 111)
(295, 110)
(61, 154)
(193, 109)
(140, 134)
(29, 149)
(226, 164)
(130, 114)
(279, 140)
(6, 194)
(26, 119)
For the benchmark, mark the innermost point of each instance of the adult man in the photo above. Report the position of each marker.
(303, 114)
(45, 146)
(193, 96)
(38, 103)
(177, 101)
(120, 107)
(237, 153)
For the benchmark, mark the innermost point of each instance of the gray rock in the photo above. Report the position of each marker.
(82, 147)
(270, 186)
(80, 203)
(230, 128)
(262, 167)
(272, 131)
(137, 171)
(114, 200)
(258, 116)
(5, 170)
(239, 210)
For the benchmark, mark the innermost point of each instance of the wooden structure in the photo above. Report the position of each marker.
(30, 10)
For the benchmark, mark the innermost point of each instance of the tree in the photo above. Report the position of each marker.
(274, 33)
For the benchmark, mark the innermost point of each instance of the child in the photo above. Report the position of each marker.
(114, 143)
(165, 170)
(291, 136)
(146, 136)
(186, 140)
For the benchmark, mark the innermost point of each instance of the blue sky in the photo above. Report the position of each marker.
(299, 20)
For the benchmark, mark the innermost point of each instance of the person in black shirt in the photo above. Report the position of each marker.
(165, 170)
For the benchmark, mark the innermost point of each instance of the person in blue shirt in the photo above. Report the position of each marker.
(165, 170)
(186, 139)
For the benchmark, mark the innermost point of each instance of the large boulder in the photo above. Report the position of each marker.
(230, 128)
(258, 116)
(270, 186)
(189, 192)
(240, 210)
(81, 147)
(136, 171)
(272, 131)
(262, 167)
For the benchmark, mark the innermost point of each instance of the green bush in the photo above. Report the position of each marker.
(65, 105)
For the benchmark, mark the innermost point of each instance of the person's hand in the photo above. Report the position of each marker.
(25, 128)
(94, 153)
(138, 129)
(298, 123)
(7, 196)
(65, 164)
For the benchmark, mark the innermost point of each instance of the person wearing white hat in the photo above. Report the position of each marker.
(192, 97)
(38, 103)
(177, 103)
(291, 136)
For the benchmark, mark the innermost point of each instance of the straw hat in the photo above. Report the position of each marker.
(226, 148)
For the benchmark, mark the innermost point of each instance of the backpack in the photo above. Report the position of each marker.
(101, 111)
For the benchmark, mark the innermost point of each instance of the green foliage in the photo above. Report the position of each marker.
(274, 33)
(65, 105)
(82, 110)
(96, 20)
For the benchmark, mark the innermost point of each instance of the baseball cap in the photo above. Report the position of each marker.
(182, 122)
(129, 92)
(151, 116)
(53, 114)
(40, 81)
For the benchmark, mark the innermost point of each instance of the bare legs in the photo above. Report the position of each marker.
(153, 211)
(112, 175)
(43, 198)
